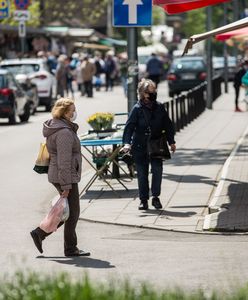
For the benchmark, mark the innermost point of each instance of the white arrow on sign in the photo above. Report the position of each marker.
(132, 10)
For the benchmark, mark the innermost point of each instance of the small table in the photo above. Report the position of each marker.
(89, 145)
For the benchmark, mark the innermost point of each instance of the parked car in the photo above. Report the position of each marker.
(219, 66)
(31, 91)
(186, 73)
(38, 72)
(13, 100)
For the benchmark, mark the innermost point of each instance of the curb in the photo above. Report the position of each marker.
(162, 229)
(213, 207)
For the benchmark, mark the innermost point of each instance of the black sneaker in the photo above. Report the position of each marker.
(156, 203)
(143, 205)
(78, 253)
(37, 240)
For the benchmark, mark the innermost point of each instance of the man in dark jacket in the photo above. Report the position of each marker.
(136, 133)
(154, 68)
(237, 82)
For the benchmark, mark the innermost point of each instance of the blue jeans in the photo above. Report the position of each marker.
(143, 181)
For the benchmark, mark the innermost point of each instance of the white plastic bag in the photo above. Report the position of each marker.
(59, 213)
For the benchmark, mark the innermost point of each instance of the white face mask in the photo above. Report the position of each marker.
(74, 116)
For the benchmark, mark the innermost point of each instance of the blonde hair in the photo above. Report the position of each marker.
(61, 107)
(143, 86)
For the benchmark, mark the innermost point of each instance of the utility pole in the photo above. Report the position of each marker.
(109, 19)
(209, 60)
(133, 68)
(225, 52)
(235, 5)
(42, 12)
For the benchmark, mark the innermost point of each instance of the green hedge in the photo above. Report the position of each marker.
(43, 287)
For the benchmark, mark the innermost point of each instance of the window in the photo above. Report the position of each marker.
(3, 81)
(22, 68)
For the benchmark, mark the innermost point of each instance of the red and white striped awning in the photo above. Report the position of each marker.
(180, 6)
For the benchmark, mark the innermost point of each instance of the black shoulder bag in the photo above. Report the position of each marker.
(157, 148)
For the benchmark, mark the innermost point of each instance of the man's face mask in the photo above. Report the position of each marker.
(153, 96)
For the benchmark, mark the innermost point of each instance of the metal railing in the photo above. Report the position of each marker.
(186, 107)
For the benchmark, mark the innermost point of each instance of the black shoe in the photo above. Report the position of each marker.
(143, 205)
(156, 203)
(78, 253)
(37, 241)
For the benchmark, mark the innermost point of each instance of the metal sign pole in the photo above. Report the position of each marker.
(22, 35)
(132, 14)
(132, 66)
(225, 53)
(209, 60)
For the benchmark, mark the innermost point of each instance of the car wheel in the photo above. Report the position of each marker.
(32, 108)
(24, 117)
(35, 103)
(12, 117)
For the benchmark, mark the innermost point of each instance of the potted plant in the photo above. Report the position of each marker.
(101, 122)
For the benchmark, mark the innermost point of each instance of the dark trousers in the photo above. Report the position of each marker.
(109, 82)
(143, 181)
(237, 89)
(155, 79)
(70, 237)
(88, 88)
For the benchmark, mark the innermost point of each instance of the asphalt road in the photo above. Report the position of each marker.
(158, 257)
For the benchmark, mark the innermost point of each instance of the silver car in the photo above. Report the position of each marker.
(39, 74)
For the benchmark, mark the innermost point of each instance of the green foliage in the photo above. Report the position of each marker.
(195, 22)
(61, 287)
(34, 12)
(89, 12)
(158, 15)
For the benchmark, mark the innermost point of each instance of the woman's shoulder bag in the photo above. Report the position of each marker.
(157, 148)
(42, 161)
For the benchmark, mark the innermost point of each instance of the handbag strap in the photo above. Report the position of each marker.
(147, 122)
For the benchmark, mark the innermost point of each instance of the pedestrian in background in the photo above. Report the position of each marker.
(154, 68)
(123, 71)
(99, 63)
(64, 170)
(70, 72)
(88, 69)
(79, 76)
(110, 71)
(61, 76)
(237, 82)
(136, 135)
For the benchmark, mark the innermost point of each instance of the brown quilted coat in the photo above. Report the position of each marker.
(65, 152)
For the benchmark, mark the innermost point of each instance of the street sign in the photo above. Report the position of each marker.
(21, 15)
(22, 29)
(4, 9)
(22, 4)
(132, 13)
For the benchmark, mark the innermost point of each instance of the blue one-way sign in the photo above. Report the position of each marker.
(132, 13)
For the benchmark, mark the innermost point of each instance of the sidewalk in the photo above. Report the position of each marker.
(190, 179)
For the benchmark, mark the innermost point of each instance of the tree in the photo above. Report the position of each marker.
(195, 22)
(88, 12)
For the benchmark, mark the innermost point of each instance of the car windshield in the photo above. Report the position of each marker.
(22, 68)
(3, 82)
(188, 65)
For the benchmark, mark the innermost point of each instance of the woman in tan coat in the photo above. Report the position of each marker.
(64, 170)
(88, 71)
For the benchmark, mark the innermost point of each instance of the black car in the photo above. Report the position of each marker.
(186, 73)
(13, 100)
